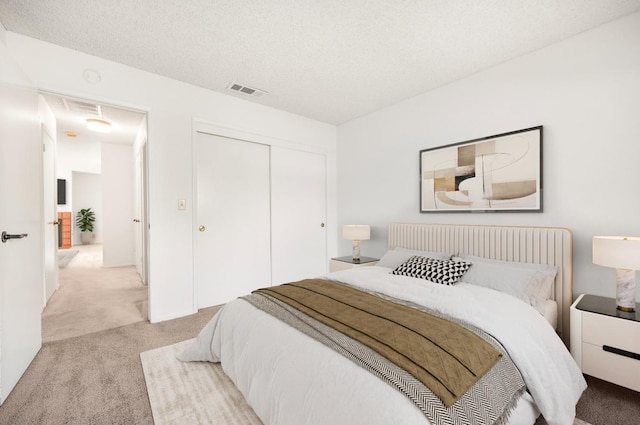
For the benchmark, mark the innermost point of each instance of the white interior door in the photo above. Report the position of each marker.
(50, 216)
(21, 260)
(233, 218)
(139, 220)
(298, 208)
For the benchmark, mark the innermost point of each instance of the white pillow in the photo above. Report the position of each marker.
(394, 257)
(533, 266)
(548, 276)
(528, 284)
(429, 254)
(551, 313)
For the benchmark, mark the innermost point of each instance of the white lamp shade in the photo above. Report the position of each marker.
(619, 252)
(356, 232)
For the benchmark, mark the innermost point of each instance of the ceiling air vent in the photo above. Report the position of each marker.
(249, 91)
(82, 107)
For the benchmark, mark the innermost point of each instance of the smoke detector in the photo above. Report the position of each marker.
(246, 90)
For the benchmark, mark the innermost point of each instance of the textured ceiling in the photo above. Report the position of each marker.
(330, 60)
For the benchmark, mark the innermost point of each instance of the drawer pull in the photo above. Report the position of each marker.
(620, 352)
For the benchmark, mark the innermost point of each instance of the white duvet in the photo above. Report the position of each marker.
(291, 379)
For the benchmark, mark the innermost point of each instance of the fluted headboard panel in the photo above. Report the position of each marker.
(549, 245)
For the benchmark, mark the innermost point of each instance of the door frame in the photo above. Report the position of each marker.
(144, 188)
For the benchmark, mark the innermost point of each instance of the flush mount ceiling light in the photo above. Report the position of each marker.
(100, 126)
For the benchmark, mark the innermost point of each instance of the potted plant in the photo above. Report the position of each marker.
(84, 220)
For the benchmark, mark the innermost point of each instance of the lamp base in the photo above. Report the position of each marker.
(626, 290)
(356, 251)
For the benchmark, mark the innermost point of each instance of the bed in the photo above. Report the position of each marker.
(305, 372)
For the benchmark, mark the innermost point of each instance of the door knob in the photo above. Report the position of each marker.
(321, 224)
(202, 228)
(6, 236)
(55, 223)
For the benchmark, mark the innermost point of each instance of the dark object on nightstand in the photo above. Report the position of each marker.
(606, 306)
(361, 260)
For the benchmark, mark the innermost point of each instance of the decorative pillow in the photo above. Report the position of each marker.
(393, 258)
(530, 285)
(446, 272)
(545, 279)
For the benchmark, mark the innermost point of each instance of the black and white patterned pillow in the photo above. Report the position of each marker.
(446, 272)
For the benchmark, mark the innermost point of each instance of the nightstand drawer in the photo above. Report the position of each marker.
(604, 343)
(604, 330)
(611, 367)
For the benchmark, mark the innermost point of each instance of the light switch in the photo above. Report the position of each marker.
(182, 204)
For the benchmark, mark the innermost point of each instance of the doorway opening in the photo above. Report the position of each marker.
(98, 278)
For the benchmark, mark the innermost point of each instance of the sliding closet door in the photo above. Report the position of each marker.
(233, 219)
(298, 207)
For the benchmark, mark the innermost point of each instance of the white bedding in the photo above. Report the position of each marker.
(551, 313)
(291, 379)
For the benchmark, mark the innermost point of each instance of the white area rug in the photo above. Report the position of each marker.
(192, 393)
(197, 392)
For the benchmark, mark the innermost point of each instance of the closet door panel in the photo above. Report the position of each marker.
(233, 219)
(298, 206)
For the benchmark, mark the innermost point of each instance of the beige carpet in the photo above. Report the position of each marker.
(195, 393)
(191, 393)
(95, 379)
(92, 298)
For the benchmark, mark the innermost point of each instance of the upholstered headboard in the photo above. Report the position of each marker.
(549, 245)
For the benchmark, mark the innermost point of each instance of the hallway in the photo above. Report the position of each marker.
(92, 298)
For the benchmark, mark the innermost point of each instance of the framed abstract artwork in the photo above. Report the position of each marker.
(490, 174)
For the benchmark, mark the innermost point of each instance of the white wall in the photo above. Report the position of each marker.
(87, 193)
(585, 91)
(73, 155)
(117, 205)
(171, 106)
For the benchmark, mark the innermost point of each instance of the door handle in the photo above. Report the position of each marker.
(202, 228)
(6, 236)
(135, 220)
(55, 223)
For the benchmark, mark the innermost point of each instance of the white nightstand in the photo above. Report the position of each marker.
(344, 263)
(605, 342)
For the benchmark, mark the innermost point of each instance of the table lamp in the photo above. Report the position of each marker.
(356, 233)
(623, 253)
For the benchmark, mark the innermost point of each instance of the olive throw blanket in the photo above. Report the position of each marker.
(441, 365)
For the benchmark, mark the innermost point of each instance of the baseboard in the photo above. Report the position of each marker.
(176, 315)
